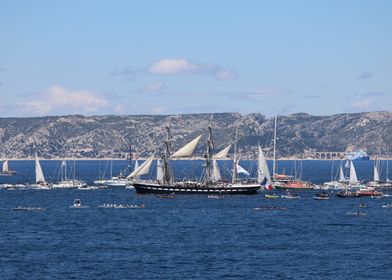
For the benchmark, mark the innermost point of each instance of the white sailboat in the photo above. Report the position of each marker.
(65, 182)
(263, 174)
(339, 184)
(40, 182)
(6, 170)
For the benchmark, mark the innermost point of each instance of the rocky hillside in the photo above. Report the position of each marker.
(104, 136)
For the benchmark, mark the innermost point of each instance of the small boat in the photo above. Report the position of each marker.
(273, 196)
(347, 194)
(362, 205)
(122, 206)
(290, 195)
(387, 206)
(358, 213)
(213, 196)
(20, 208)
(321, 196)
(263, 207)
(78, 204)
(169, 195)
(87, 188)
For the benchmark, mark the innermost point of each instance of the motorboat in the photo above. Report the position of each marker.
(369, 191)
(347, 194)
(78, 204)
(321, 196)
(290, 195)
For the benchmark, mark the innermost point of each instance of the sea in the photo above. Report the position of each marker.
(191, 236)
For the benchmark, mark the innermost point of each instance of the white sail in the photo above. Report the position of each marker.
(39, 175)
(223, 153)
(188, 149)
(216, 176)
(136, 165)
(159, 171)
(375, 174)
(242, 170)
(5, 167)
(353, 174)
(341, 175)
(262, 169)
(143, 169)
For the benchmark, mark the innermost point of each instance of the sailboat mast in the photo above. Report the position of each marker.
(166, 157)
(234, 176)
(274, 156)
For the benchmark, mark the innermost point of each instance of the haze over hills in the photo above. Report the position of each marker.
(106, 136)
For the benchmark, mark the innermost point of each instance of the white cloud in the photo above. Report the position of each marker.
(59, 99)
(176, 66)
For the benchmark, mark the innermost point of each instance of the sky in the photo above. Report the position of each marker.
(171, 57)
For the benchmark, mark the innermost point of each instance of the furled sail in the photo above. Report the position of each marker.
(262, 170)
(375, 174)
(223, 153)
(39, 175)
(216, 176)
(142, 169)
(341, 175)
(159, 171)
(188, 149)
(353, 174)
(5, 167)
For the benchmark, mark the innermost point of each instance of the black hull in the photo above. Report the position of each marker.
(347, 195)
(142, 188)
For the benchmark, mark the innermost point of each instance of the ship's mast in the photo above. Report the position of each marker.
(166, 157)
(234, 175)
(274, 156)
(208, 157)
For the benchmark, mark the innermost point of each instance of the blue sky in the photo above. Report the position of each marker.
(169, 57)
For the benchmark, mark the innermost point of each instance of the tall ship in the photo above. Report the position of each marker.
(357, 155)
(211, 182)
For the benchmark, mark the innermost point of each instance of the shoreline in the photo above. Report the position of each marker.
(193, 158)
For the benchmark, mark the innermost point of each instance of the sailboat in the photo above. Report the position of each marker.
(209, 184)
(377, 182)
(66, 182)
(40, 182)
(6, 170)
(337, 184)
(352, 183)
(283, 181)
(263, 174)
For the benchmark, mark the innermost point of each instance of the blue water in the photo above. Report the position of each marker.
(191, 237)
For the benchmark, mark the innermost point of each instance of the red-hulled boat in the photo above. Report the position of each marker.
(369, 191)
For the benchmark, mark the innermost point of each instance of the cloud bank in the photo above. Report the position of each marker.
(59, 99)
(181, 66)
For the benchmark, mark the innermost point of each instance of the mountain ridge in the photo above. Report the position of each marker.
(103, 136)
